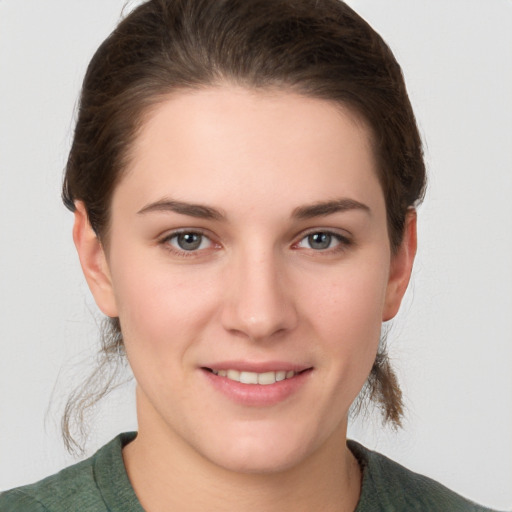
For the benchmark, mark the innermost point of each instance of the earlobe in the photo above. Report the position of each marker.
(93, 261)
(401, 267)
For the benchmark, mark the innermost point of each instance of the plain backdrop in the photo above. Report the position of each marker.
(452, 342)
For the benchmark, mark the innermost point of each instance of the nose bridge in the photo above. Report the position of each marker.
(258, 304)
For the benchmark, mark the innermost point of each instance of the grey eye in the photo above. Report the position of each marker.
(189, 241)
(320, 241)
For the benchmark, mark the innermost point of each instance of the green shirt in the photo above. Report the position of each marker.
(100, 484)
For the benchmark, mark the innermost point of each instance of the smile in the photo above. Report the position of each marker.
(265, 378)
(243, 384)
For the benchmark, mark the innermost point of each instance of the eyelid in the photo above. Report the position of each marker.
(178, 231)
(338, 232)
(344, 239)
(165, 238)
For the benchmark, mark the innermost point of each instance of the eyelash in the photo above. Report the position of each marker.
(343, 242)
(165, 242)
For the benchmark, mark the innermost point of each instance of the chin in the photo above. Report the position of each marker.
(248, 460)
(262, 452)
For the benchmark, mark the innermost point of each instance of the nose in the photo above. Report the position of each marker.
(259, 303)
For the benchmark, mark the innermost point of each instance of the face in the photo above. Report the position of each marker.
(249, 263)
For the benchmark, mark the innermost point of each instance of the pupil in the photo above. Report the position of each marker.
(319, 240)
(189, 241)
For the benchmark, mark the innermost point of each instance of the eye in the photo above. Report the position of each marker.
(189, 241)
(322, 241)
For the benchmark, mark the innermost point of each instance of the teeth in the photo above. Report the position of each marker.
(255, 378)
(281, 375)
(248, 378)
(266, 378)
(233, 375)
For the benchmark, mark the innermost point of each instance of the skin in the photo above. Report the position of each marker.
(257, 289)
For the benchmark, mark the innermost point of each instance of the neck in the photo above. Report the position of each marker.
(168, 474)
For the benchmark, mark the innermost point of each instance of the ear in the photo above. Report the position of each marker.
(93, 261)
(401, 267)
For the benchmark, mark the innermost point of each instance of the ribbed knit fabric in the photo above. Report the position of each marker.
(390, 487)
(100, 484)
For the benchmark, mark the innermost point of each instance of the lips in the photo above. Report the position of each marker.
(263, 378)
(257, 385)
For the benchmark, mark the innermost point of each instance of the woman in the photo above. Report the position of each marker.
(244, 177)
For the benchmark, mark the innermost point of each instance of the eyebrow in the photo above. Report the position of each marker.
(192, 210)
(324, 208)
(200, 211)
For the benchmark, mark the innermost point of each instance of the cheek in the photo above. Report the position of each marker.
(163, 316)
(350, 303)
(161, 307)
(347, 314)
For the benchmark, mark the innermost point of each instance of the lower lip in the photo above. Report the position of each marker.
(257, 395)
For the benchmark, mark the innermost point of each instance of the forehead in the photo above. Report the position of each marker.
(230, 141)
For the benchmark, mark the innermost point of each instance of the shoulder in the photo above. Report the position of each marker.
(17, 501)
(388, 486)
(57, 492)
(76, 488)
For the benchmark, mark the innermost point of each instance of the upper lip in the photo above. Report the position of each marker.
(257, 367)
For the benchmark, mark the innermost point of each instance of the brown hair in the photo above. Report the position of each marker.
(319, 48)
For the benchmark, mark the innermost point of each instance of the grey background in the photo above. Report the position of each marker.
(452, 342)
